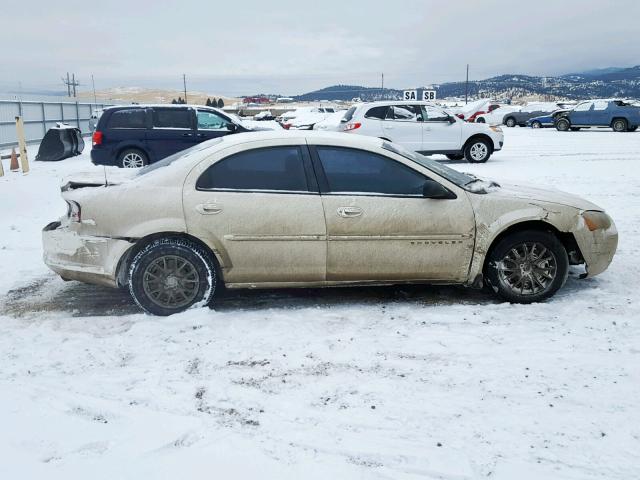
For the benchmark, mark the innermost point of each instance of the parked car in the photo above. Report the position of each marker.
(547, 120)
(137, 135)
(472, 109)
(620, 115)
(304, 118)
(332, 123)
(265, 115)
(495, 114)
(425, 128)
(301, 209)
(93, 119)
(521, 116)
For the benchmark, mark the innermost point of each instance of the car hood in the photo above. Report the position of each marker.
(545, 195)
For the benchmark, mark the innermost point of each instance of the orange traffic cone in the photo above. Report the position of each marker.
(14, 161)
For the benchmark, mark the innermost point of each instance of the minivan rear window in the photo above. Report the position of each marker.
(129, 118)
(172, 118)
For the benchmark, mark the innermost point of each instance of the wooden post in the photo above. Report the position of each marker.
(22, 145)
(1, 169)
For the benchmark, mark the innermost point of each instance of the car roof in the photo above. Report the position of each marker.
(162, 105)
(305, 136)
(386, 103)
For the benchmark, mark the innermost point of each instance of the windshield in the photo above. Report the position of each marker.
(458, 178)
(181, 154)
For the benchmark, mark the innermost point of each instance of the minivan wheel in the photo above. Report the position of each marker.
(477, 151)
(170, 275)
(528, 266)
(132, 158)
(619, 125)
(511, 122)
(563, 125)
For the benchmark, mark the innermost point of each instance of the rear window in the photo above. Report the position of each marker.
(171, 118)
(130, 118)
(349, 115)
(377, 112)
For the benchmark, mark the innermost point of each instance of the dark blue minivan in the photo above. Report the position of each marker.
(137, 135)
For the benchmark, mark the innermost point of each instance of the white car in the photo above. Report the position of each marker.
(332, 123)
(304, 118)
(496, 113)
(425, 128)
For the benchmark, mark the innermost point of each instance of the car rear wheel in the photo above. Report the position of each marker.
(132, 158)
(455, 156)
(563, 125)
(536, 124)
(510, 122)
(170, 275)
(619, 125)
(480, 120)
(527, 266)
(477, 151)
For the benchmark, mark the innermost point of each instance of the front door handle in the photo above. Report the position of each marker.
(208, 208)
(187, 134)
(349, 212)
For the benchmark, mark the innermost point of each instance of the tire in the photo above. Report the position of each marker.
(536, 124)
(510, 122)
(477, 151)
(170, 275)
(480, 120)
(132, 158)
(516, 274)
(455, 156)
(619, 125)
(563, 125)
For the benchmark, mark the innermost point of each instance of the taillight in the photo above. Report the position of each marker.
(73, 211)
(352, 126)
(97, 137)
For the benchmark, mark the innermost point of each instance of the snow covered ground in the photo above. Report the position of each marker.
(389, 383)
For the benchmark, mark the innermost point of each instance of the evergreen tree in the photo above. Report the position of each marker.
(173, 101)
(220, 103)
(208, 103)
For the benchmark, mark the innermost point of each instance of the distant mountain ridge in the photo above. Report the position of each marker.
(601, 83)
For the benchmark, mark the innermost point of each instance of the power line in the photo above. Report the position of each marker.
(70, 83)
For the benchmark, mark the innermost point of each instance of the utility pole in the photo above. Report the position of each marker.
(184, 83)
(93, 84)
(466, 87)
(382, 84)
(70, 83)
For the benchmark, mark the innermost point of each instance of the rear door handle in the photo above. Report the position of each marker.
(349, 212)
(187, 134)
(208, 208)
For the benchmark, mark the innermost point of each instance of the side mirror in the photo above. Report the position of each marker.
(433, 189)
(232, 127)
(451, 119)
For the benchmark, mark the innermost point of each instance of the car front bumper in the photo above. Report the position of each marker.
(597, 248)
(84, 258)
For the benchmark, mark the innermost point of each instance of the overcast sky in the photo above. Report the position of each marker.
(289, 47)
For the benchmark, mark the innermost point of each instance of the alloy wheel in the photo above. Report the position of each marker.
(171, 281)
(478, 151)
(528, 268)
(132, 160)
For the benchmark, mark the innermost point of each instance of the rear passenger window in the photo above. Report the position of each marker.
(405, 113)
(172, 118)
(271, 169)
(349, 170)
(130, 118)
(377, 112)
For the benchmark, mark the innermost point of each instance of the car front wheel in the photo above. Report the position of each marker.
(511, 122)
(477, 151)
(527, 266)
(170, 275)
(536, 124)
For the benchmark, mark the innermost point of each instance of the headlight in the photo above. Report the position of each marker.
(595, 220)
(495, 128)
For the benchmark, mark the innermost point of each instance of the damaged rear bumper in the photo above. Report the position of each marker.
(84, 258)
